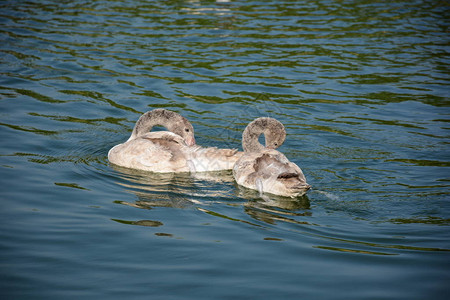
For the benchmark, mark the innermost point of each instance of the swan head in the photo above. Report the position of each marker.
(273, 130)
(183, 128)
(275, 135)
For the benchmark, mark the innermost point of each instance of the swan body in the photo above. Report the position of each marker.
(264, 168)
(206, 159)
(160, 151)
(169, 151)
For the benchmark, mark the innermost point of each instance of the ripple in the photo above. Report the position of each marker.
(147, 223)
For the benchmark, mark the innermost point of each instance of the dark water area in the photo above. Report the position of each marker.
(361, 86)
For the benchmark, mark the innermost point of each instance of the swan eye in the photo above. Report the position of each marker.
(276, 144)
(187, 130)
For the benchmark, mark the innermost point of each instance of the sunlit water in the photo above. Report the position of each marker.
(361, 86)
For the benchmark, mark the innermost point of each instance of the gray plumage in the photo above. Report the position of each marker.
(264, 168)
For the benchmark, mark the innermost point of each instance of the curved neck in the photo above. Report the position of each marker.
(152, 118)
(273, 130)
(251, 135)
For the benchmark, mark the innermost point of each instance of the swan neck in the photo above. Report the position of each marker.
(147, 121)
(250, 142)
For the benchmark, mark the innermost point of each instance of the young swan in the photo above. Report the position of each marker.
(159, 151)
(264, 168)
(169, 151)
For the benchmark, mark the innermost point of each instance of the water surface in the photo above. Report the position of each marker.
(361, 86)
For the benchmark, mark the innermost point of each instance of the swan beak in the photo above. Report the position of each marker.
(190, 141)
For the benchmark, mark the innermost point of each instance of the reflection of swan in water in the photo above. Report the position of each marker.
(183, 190)
(173, 189)
(273, 208)
(272, 215)
(256, 199)
(280, 210)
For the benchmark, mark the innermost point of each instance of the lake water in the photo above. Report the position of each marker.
(361, 86)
